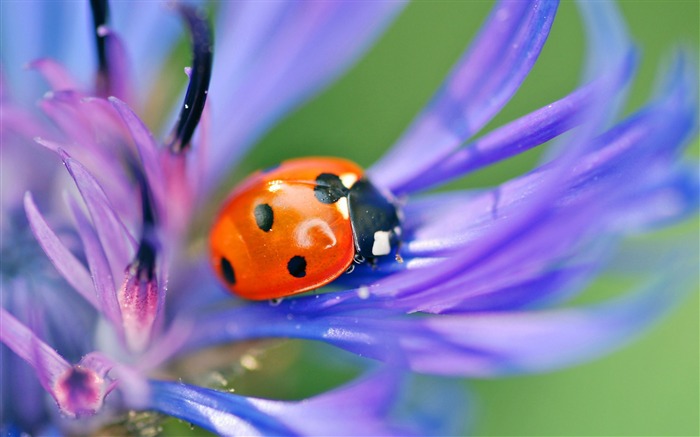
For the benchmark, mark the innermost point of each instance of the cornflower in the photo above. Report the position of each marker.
(483, 272)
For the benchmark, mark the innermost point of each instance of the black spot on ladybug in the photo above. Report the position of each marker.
(227, 270)
(297, 266)
(264, 217)
(329, 188)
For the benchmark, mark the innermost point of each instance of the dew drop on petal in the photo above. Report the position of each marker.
(363, 292)
(249, 362)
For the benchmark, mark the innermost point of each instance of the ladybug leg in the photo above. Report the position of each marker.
(373, 262)
(359, 259)
(398, 257)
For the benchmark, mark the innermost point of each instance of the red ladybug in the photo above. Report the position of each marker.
(298, 226)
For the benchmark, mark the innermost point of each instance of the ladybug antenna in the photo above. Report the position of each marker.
(100, 15)
(200, 76)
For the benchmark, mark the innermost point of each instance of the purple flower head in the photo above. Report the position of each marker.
(125, 291)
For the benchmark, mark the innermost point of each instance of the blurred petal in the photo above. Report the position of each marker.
(607, 35)
(102, 277)
(55, 74)
(78, 390)
(480, 84)
(22, 341)
(74, 47)
(270, 56)
(120, 84)
(147, 149)
(513, 138)
(363, 407)
(65, 262)
(116, 239)
(91, 128)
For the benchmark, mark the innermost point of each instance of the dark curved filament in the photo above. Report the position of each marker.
(200, 76)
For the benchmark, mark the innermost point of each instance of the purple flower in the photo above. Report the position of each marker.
(484, 274)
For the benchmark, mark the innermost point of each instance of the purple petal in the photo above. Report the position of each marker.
(608, 43)
(273, 55)
(475, 344)
(147, 149)
(55, 74)
(62, 108)
(117, 241)
(18, 127)
(21, 122)
(580, 206)
(132, 384)
(91, 127)
(479, 86)
(65, 262)
(220, 412)
(607, 35)
(22, 341)
(363, 407)
(119, 68)
(78, 390)
(523, 292)
(664, 201)
(511, 139)
(498, 344)
(99, 267)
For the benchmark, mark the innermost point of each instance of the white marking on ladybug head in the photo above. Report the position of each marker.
(313, 233)
(348, 179)
(381, 244)
(342, 206)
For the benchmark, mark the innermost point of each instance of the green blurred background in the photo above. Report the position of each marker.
(648, 388)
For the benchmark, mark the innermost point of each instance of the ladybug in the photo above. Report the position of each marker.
(300, 225)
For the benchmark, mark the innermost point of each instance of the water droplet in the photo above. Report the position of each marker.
(249, 362)
(363, 292)
(276, 301)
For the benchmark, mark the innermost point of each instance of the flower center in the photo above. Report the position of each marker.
(80, 392)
